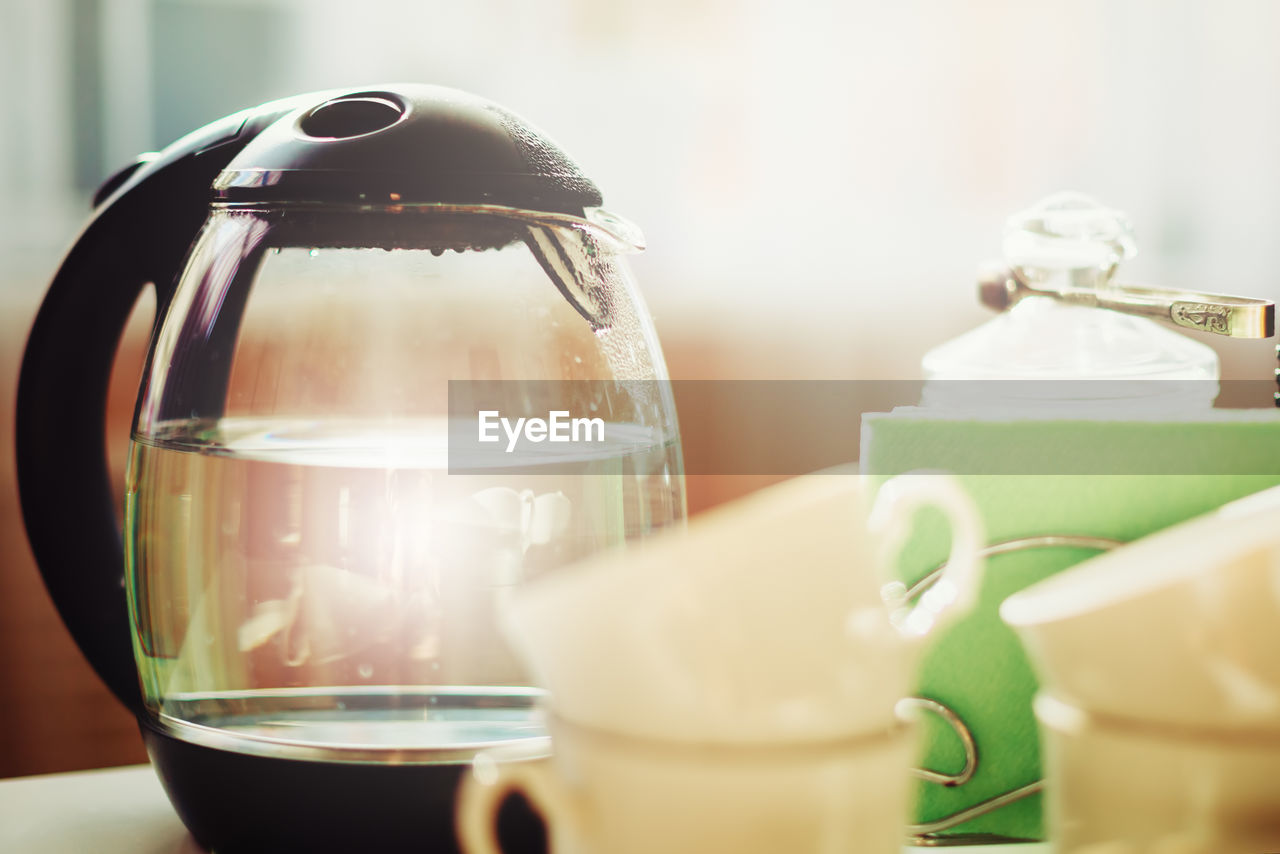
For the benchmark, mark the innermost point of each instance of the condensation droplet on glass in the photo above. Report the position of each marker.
(365, 671)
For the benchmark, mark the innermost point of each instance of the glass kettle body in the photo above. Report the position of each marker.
(310, 568)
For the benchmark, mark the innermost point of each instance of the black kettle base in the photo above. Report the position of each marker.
(236, 803)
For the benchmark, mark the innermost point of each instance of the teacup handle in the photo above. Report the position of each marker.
(490, 781)
(956, 590)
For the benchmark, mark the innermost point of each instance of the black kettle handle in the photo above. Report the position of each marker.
(139, 235)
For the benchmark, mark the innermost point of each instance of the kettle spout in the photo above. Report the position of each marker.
(626, 234)
(577, 255)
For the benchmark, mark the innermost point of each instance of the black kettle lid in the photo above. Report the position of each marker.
(405, 144)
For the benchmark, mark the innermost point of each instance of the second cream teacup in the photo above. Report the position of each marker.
(1159, 707)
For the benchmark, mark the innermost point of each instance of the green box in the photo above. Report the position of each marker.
(1118, 480)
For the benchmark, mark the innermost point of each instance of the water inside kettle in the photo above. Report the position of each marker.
(329, 585)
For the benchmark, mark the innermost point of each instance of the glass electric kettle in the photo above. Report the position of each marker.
(306, 587)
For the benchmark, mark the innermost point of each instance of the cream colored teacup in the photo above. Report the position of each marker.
(605, 793)
(766, 622)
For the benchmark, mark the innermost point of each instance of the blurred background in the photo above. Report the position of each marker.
(817, 181)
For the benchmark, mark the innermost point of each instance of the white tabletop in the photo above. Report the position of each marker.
(112, 811)
(124, 811)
